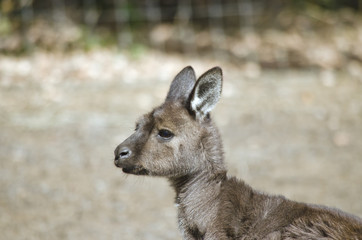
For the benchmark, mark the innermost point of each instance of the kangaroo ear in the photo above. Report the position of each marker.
(182, 85)
(206, 92)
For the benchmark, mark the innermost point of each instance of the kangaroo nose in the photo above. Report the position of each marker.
(123, 153)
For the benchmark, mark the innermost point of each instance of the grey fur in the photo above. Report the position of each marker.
(179, 141)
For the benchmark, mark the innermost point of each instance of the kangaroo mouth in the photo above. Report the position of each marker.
(136, 170)
(131, 169)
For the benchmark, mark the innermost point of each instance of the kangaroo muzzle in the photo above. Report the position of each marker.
(121, 153)
(122, 159)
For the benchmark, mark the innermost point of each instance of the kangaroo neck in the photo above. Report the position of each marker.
(196, 182)
(197, 201)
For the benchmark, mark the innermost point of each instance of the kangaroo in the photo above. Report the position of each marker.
(179, 141)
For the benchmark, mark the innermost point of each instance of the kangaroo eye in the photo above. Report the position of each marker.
(165, 134)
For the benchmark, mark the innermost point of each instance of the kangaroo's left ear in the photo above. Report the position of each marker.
(206, 93)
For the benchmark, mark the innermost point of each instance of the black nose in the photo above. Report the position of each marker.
(123, 153)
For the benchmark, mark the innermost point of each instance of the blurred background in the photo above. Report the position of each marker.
(76, 75)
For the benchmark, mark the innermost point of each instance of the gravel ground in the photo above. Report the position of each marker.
(296, 133)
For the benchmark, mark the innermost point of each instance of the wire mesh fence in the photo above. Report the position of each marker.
(272, 33)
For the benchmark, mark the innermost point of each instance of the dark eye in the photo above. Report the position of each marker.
(137, 126)
(165, 134)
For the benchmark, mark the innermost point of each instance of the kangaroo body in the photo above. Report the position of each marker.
(178, 140)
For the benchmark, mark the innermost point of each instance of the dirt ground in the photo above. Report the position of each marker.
(296, 133)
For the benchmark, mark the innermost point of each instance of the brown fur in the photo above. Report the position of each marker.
(178, 140)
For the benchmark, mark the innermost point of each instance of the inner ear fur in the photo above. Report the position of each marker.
(206, 93)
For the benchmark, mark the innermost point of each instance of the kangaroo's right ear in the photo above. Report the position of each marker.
(181, 87)
(206, 93)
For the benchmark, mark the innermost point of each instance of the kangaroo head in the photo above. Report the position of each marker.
(178, 137)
